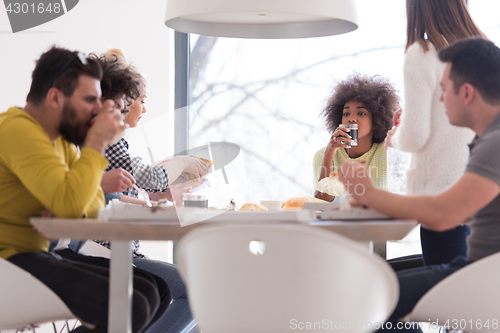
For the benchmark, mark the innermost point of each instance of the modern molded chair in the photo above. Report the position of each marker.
(25, 301)
(467, 300)
(283, 278)
(91, 248)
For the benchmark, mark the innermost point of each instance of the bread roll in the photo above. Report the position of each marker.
(209, 163)
(190, 178)
(331, 185)
(253, 207)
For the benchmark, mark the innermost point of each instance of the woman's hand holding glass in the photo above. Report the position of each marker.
(340, 134)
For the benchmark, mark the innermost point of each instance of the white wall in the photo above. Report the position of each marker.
(135, 26)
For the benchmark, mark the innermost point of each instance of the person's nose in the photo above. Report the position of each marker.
(352, 120)
(441, 98)
(144, 110)
(98, 106)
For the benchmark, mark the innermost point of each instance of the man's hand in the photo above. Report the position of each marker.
(105, 127)
(396, 117)
(388, 138)
(117, 180)
(48, 213)
(357, 181)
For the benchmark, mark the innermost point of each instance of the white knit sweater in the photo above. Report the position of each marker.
(439, 149)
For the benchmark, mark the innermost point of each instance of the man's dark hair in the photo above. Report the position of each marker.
(118, 79)
(475, 61)
(376, 93)
(50, 72)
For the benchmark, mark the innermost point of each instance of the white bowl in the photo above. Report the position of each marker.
(272, 205)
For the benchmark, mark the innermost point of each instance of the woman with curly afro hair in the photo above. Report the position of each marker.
(370, 103)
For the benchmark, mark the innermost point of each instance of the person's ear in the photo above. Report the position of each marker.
(54, 97)
(467, 93)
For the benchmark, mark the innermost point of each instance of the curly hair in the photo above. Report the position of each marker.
(119, 79)
(376, 93)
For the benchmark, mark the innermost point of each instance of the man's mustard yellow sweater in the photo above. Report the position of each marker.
(38, 174)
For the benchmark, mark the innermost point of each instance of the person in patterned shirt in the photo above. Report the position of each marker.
(131, 170)
(151, 178)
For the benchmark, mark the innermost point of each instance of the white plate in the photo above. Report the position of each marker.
(331, 211)
(188, 215)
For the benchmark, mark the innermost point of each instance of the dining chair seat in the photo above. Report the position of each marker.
(283, 278)
(467, 300)
(25, 301)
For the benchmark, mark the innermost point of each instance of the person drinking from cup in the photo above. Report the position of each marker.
(368, 103)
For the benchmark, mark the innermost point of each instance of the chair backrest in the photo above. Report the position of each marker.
(468, 300)
(91, 248)
(283, 277)
(25, 301)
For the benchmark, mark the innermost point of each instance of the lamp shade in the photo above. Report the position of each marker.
(262, 18)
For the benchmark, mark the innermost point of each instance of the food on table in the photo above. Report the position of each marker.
(272, 205)
(210, 163)
(253, 207)
(190, 178)
(331, 185)
(296, 203)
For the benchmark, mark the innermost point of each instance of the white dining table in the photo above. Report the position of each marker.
(120, 233)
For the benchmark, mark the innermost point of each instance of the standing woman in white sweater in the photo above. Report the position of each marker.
(439, 150)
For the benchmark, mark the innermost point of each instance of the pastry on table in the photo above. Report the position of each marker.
(253, 207)
(331, 185)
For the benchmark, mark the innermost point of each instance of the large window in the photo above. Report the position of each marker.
(266, 96)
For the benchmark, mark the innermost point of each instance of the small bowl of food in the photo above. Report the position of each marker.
(272, 205)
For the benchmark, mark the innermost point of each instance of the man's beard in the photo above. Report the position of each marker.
(70, 128)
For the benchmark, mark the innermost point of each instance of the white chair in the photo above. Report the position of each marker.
(91, 248)
(467, 300)
(25, 301)
(283, 278)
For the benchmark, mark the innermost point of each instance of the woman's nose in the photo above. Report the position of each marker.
(353, 121)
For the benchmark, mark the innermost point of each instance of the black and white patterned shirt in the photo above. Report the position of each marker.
(150, 178)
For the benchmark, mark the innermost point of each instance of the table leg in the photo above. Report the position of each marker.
(120, 288)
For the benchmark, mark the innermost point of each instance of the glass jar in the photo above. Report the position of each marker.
(195, 200)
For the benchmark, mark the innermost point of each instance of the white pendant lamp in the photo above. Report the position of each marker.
(262, 18)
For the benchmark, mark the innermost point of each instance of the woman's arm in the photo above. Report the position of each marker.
(326, 157)
(179, 164)
(150, 178)
(420, 83)
(325, 170)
